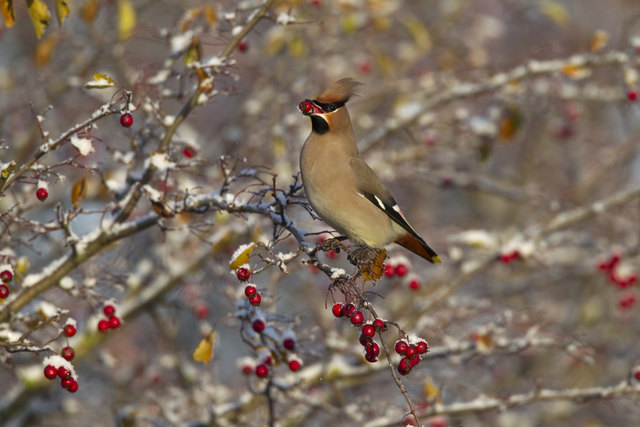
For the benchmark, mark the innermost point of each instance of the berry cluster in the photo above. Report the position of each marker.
(57, 366)
(612, 268)
(6, 275)
(111, 322)
(367, 331)
(410, 352)
(399, 270)
(250, 291)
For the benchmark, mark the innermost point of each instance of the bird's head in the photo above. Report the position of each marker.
(328, 111)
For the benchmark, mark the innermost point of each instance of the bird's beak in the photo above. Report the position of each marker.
(308, 108)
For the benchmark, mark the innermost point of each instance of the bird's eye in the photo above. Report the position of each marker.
(330, 107)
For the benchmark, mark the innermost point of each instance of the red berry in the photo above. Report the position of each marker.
(6, 276)
(332, 254)
(389, 271)
(69, 330)
(404, 367)
(636, 374)
(374, 349)
(627, 301)
(63, 372)
(189, 152)
(365, 341)
(316, 3)
(401, 347)
(289, 344)
(109, 310)
(243, 46)
(247, 369)
(414, 285)
(357, 317)
(348, 309)
(422, 347)
(114, 322)
(414, 360)
(103, 325)
(294, 365)
(401, 270)
(126, 120)
(74, 387)
(337, 309)
(510, 256)
(370, 357)
(202, 311)
(42, 194)
(379, 325)
(268, 361)
(258, 325)
(250, 290)
(50, 372)
(632, 95)
(368, 331)
(67, 353)
(4, 291)
(255, 299)
(67, 383)
(411, 351)
(243, 274)
(262, 371)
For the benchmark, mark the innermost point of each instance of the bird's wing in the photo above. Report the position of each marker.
(370, 187)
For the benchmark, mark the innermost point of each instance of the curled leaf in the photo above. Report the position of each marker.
(62, 10)
(374, 269)
(204, 352)
(126, 19)
(100, 81)
(6, 8)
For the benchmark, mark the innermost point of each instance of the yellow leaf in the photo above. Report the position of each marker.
(431, 391)
(555, 11)
(241, 256)
(40, 16)
(100, 81)
(576, 72)
(375, 269)
(6, 7)
(62, 10)
(510, 123)
(79, 192)
(194, 52)
(90, 10)
(420, 34)
(44, 50)
(204, 352)
(210, 15)
(297, 48)
(126, 19)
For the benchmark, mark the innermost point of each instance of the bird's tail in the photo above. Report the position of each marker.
(418, 247)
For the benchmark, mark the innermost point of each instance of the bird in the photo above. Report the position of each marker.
(342, 189)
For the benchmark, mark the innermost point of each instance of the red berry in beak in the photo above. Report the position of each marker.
(305, 107)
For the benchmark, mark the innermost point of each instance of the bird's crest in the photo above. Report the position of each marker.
(340, 91)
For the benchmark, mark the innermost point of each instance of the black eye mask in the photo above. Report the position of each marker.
(329, 107)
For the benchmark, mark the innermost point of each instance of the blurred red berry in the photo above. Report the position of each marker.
(414, 285)
(4, 291)
(243, 46)
(103, 325)
(627, 301)
(632, 95)
(636, 374)
(250, 290)
(389, 271)
(243, 274)
(69, 330)
(189, 152)
(202, 311)
(262, 371)
(289, 344)
(348, 309)
(294, 365)
(50, 372)
(401, 270)
(6, 276)
(67, 353)
(255, 299)
(42, 194)
(108, 310)
(247, 369)
(357, 318)
(126, 120)
(114, 322)
(368, 331)
(337, 309)
(401, 347)
(258, 325)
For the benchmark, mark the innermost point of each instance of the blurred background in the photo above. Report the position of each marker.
(488, 120)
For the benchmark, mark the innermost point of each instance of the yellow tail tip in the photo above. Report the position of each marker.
(436, 259)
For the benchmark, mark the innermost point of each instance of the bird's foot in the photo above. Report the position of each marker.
(333, 244)
(362, 256)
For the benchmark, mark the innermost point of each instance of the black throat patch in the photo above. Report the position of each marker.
(319, 125)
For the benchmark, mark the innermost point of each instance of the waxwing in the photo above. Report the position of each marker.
(343, 190)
